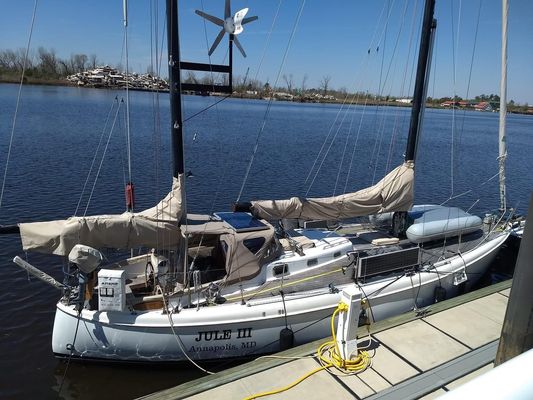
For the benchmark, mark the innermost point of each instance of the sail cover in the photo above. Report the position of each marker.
(393, 193)
(155, 227)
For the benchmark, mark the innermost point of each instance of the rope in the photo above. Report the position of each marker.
(70, 355)
(18, 102)
(329, 355)
(269, 105)
(178, 340)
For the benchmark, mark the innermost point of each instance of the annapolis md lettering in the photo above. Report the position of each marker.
(226, 334)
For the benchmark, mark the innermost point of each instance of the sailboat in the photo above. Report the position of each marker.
(240, 283)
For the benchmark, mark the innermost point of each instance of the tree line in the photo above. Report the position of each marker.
(43, 63)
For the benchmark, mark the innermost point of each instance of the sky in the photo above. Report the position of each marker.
(332, 38)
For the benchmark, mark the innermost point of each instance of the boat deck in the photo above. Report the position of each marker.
(334, 275)
(455, 341)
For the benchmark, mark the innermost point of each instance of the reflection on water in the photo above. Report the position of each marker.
(59, 128)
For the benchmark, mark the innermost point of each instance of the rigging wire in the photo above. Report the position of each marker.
(363, 111)
(461, 131)
(128, 133)
(402, 88)
(382, 130)
(19, 95)
(454, 70)
(115, 101)
(269, 105)
(356, 141)
(344, 152)
(156, 114)
(102, 159)
(319, 155)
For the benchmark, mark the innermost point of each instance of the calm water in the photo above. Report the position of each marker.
(58, 131)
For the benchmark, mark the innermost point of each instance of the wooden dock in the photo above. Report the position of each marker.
(413, 356)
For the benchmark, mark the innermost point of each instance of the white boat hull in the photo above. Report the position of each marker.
(235, 330)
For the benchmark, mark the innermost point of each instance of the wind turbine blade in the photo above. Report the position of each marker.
(237, 19)
(217, 41)
(238, 44)
(227, 9)
(214, 20)
(249, 19)
(239, 16)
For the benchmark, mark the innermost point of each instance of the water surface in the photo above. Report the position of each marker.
(58, 131)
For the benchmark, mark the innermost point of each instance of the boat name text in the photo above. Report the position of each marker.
(225, 334)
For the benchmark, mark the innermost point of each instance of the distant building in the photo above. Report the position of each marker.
(449, 103)
(467, 104)
(483, 106)
(406, 101)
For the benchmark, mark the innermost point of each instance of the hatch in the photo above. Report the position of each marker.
(241, 221)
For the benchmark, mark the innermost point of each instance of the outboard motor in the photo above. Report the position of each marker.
(86, 259)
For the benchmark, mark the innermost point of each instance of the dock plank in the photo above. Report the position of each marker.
(492, 306)
(318, 386)
(366, 383)
(424, 346)
(467, 325)
(390, 366)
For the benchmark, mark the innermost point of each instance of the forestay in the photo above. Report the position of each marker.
(155, 227)
(395, 192)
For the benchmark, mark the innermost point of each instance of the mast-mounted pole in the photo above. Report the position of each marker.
(230, 80)
(399, 224)
(503, 109)
(418, 96)
(174, 84)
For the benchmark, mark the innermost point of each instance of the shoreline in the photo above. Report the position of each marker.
(62, 82)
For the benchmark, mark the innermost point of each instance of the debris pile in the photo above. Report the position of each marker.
(109, 77)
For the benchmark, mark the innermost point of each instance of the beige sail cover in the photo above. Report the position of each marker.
(155, 227)
(395, 192)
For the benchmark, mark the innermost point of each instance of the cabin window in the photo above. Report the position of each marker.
(337, 254)
(280, 269)
(254, 244)
(312, 262)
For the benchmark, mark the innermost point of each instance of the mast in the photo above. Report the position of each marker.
(174, 84)
(421, 71)
(503, 108)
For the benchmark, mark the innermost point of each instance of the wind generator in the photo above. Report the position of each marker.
(230, 24)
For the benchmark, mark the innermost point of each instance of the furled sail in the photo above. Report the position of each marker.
(155, 227)
(393, 193)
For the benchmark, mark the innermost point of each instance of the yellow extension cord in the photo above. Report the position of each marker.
(329, 354)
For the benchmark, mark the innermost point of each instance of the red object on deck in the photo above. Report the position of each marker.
(130, 196)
